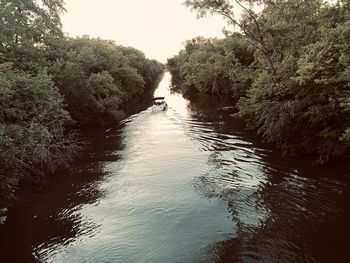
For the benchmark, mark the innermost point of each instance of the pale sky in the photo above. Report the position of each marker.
(156, 27)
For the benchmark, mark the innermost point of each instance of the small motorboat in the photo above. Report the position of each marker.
(159, 104)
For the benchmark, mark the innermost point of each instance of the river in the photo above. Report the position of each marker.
(185, 185)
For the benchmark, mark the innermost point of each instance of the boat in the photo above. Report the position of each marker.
(159, 104)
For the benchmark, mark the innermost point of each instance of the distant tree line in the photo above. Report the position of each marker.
(287, 70)
(50, 83)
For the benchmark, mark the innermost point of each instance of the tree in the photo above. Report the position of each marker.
(27, 28)
(26, 23)
(32, 127)
(102, 76)
(249, 25)
(306, 110)
(220, 67)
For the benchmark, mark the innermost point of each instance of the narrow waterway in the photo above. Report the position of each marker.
(184, 185)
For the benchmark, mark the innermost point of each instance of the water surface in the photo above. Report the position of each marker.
(184, 185)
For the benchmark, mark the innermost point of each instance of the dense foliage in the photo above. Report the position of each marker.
(220, 67)
(293, 86)
(49, 84)
(102, 77)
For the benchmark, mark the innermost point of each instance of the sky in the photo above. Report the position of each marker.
(159, 28)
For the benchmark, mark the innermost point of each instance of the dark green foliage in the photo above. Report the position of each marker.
(102, 77)
(32, 126)
(220, 67)
(298, 95)
(305, 110)
(27, 29)
(32, 115)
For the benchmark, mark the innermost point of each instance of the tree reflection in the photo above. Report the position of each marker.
(50, 217)
(280, 207)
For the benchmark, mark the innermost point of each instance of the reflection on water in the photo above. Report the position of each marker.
(185, 185)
